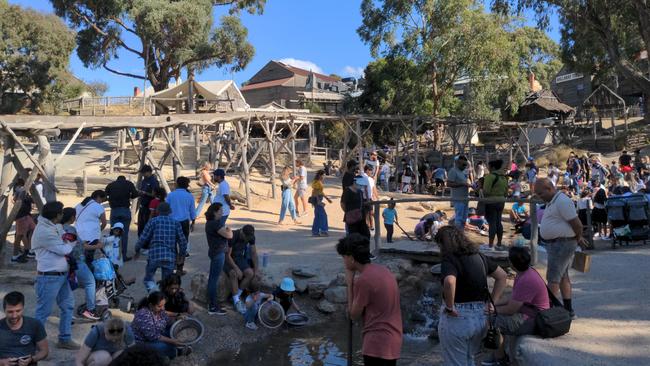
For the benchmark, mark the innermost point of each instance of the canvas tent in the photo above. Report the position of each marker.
(208, 96)
(537, 136)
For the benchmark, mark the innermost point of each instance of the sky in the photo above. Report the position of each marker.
(312, 34)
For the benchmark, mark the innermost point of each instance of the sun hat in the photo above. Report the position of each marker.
(219, 173)
(287, 284)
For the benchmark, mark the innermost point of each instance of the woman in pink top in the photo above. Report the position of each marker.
(375, 297)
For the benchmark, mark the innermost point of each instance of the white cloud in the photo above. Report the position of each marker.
(307, 65)
(357, 72)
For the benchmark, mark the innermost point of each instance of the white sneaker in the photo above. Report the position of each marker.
(251, 326)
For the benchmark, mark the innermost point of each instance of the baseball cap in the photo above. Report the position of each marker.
(219, 172)
(118, 225)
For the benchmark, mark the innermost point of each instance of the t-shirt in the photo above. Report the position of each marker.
(238, 245)
(375, 166)
(389, 215)
(96, 340)
(347, 180)
(112, 249)
(153, 206)
(529, 288)
(223, 189)
(26, 207)
(439, 173)
(557, 215)
(302, 172)
(519, 209)
(458, 176)
(370, 187)
(385, 172)
(376, 291)
(177, 303)
(625, 159)
(87, 223)
(584, 203)
(470, 273)
(20, 342)
(419, 229)
(284, 298)
(352, 200)
(149, 185)
(216, 242)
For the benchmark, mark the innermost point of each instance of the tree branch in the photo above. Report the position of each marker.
(123, 73)
(94, 26)
(121, 23)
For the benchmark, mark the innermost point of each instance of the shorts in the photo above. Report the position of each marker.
(241, 262)
(599, 215)
(515, 324)
(301, 192)
(25, 225)
(560, 258)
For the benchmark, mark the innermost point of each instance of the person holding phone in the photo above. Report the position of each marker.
(23, 340)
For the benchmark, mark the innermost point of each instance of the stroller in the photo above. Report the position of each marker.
(629, 217)
(110, 295)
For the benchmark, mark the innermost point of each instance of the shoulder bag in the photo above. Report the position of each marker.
(493, 335)
(355, 215)
(552, 322)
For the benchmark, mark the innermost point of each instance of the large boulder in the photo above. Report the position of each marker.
(303, 272)
(338, 281)
(336, 295)
(199, 287)
(316, 289)
(326, 307)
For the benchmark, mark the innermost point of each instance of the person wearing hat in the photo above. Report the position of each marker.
(374, 296)
(283, 294)
(164, 238)
(223, 194)
(146, 190)
(352, 203)
(112, 244)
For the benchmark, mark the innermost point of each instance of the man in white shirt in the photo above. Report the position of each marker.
(561, 230)
(223, 194)
(52, 272)
(301, 188)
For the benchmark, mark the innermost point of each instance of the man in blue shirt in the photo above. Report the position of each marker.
(148, 186)
(160, 236)
(181, 202)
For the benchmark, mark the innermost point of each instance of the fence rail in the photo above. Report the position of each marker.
(103, 104)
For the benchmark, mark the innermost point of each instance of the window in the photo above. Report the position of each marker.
(319, 85)
(580, 86)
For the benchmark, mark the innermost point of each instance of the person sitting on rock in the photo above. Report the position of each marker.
(516, 316)
(423, 229)
(253, 301)
(24, 341)
(476, 222)
(518, 213)
(241, 263)
(284, 295)
(177, 303)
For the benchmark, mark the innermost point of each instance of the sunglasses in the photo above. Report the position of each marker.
(116, 331)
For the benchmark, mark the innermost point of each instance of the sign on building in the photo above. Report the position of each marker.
(568, 77)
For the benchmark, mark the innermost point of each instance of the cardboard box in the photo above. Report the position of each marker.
(582, 262)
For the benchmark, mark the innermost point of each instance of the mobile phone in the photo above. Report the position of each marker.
(24, 358)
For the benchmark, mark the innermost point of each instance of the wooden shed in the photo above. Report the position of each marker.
(543, 104)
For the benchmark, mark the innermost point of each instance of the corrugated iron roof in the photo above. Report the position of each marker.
(265, 84)
(546, 99)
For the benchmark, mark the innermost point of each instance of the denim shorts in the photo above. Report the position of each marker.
(560, 258)
(461, 337)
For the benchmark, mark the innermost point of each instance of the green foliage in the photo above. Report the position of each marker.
(64, 86)
(599, 37)
(34, 49)
(333, 133)
(313, 107)
(97, 88)
(394, 85)
(174, 34)
(445, 41)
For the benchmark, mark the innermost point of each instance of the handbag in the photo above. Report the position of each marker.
(493, 335)
(552, 322)
(355, 215)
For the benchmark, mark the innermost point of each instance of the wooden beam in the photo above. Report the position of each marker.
(245, 167)
(171, 143)
(69, 145)
(45, 154)
(22, 173)
(31, 157)
(6, 177)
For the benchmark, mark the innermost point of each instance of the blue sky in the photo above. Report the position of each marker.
(317, 34)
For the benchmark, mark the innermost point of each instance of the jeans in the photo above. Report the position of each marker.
(166, 267)
(216, 267)
(123, 215)
(143, 218)
(287, 204)
(51, 289)
(206, 193)
(223, 220)
(161, 347)
(461, 337)
(87, 282)
(460, 213)
(251, 313)
(389, 232)
(493, 213)
(320, 220)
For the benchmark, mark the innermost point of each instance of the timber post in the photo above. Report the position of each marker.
(45, 155)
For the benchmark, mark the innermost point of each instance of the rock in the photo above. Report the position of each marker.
(336, 295)
(415, 208)
(303, 272)
(316, 289)
(412, 281)
(432, 289)
(199, 287)
(436, 269)
(326, 307)
(417, 317)
(428, 206)
(301, 286)
(338, 281)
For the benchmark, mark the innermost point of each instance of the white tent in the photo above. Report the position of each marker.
(537, 136)
(221, 95)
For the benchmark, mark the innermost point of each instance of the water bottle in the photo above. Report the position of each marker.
(265, 259)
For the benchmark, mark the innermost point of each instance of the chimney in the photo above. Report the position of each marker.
(136, 91)
(531, 81)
